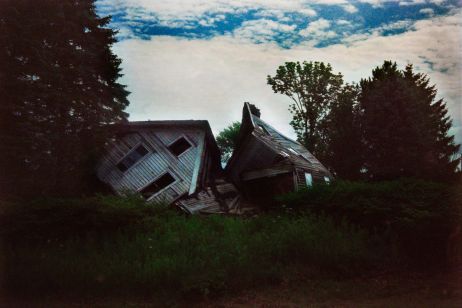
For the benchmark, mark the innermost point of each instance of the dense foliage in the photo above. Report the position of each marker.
(313, 88)
(391, 126)
(58, 88)
(124, 247)
(414, 216)
(119, 246)
(226, 140)
(405, 127)
(344, 141)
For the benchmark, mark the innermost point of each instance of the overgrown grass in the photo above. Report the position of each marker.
(156, 251)
(121, 246)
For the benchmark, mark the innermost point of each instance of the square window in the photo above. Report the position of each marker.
(156, 186)
(132, 157)
(179, 146)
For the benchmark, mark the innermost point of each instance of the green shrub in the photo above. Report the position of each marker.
(59, 218)
(414, 216)
(156, 251)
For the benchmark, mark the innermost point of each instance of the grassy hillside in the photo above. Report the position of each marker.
(108, 246)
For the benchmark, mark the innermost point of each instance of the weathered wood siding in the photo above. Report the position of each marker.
(158, 161)
(253, 155)
(289, 143)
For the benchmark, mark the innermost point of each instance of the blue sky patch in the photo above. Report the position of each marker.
(286, 27)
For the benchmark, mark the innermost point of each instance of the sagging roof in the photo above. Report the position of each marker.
(291, 151)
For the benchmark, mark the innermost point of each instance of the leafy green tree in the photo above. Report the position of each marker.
(58, 89)
(344, 153)
(405, 127)
(312, 87)
(226, 140)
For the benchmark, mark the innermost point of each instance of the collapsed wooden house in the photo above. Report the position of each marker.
(175, 162)
(178, 162)
(266, 163)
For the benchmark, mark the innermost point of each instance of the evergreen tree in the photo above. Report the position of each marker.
(405, 128)
(344, 136)
(58, 89)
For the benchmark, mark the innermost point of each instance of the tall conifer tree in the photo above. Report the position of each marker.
(342, 127)
(58, 89)
(405, 128)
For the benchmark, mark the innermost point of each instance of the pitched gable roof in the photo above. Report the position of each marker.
(290, 150)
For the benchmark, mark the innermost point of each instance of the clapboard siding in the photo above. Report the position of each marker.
(289, 143)
(158, 161)
(264, 156)
(308, 162)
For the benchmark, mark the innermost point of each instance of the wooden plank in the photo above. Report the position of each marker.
(269, 172)
(197, 164)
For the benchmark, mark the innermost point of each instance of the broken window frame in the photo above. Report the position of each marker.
(161, 190)
(308, 179)
(138, 159)
(191, 145)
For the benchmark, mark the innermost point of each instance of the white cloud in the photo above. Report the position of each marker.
(261, 30)
(428, 11)
(374, 3)
(438, 2)
(411, 2)
(350, 8)
(174, 11)
(208, 21)
(318, 30)
(187, 13)
(307, 12)
(404, 24)
(343, 22)
(174, 78)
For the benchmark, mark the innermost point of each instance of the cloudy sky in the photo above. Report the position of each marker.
(201, 59)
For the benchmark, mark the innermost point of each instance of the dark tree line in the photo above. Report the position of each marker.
(389, 126)
(58, 90)
(405, 127)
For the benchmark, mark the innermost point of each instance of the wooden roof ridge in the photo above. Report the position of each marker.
(202, 124)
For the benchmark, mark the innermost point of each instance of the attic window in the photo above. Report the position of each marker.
(263, 128)
(179, 146)
(132, 157)
(162, 182)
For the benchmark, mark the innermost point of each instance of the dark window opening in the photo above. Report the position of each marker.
(132, 157)
(180, 146)
(157, 185)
